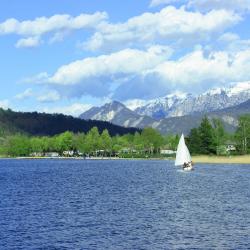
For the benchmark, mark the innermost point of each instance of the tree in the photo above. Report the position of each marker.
(194, 142)
(106, 141)
(219, 132)
(18, 145)
(152, 140)
(36, 145)
(242, 134)
(206, 135)
(92, 142)
(64, 142)
(171, 141)
(79, 141)
(138, 142)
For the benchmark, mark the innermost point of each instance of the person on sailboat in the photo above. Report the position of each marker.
(183, 157)
(188, 165)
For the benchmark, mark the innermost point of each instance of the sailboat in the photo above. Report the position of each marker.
(183, 157)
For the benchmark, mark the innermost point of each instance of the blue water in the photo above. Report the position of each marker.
(77, 204)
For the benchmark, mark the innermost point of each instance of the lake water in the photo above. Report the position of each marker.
(88, 204)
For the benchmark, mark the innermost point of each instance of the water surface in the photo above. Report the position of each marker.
(87, 204)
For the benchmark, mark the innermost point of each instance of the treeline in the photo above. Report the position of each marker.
(148, 142)
(209, 138)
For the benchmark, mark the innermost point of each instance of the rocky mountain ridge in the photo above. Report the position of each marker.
(178, 112)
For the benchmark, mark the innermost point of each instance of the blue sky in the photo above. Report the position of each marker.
(66, 56)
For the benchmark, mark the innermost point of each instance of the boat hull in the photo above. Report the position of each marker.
(189, 168)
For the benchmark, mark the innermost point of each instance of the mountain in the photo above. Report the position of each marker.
(162, 107)
(117, 113)
(51, 124)
(176, 105)
(229, 117)
(123, 116)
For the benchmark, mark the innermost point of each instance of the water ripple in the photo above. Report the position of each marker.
(55, 204)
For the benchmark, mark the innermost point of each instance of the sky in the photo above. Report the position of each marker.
(65, 56)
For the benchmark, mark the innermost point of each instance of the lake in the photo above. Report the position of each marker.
(119, 204)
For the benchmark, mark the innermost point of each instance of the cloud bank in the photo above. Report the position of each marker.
(148, 74)
(33, 30)
(168, 25)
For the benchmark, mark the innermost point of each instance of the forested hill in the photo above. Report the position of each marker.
(51, 124)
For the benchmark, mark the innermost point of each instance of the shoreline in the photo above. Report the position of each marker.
(77, 158)
(241, 159)
(238, 159)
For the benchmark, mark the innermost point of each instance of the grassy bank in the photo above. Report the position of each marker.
(240, 159)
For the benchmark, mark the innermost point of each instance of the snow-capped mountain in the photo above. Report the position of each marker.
(162, 107)
(185, 104)
(176, 112)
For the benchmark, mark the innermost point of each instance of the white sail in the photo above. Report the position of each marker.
(182, 154)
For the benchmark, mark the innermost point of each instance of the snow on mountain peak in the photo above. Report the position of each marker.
(214, 91)
(177, 94)
(135, 103)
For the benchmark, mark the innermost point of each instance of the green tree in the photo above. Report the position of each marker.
(242, 134)
(171, 141)
(64, 142)
(78, 142)
(106, 141)
(138, 142)
(152, 140)
(219, 132)
(92, 141)
(207, 137)
(36, 145)
(194, 142)
(18, 145)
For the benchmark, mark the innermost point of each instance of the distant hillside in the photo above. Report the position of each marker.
(50, 124)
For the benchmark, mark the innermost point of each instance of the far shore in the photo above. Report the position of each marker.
(240, 159)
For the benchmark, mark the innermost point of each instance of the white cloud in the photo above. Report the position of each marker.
(114, 66)
(74, 109)
(42, 25)
(137, 74)
(33, 29)
(50, 96)
(207, 5)
(194, 68)
(26, 94)
(99, 76)
(197, 69)
(29, 42)
(168, 25)
(233, 42)
(4, 104)
(196, 72)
